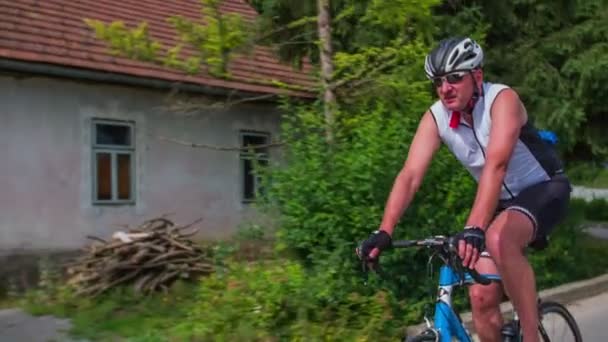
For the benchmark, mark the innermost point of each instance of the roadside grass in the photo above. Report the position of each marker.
(113, 316)
(8, 303)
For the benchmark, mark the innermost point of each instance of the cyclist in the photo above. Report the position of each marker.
(522, 191)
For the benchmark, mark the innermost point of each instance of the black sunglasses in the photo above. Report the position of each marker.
(453, 78)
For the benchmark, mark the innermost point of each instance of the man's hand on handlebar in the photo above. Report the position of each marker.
(446, 246)
(370, 249)
(471, 242)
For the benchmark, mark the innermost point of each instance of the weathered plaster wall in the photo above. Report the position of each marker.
(45, 162)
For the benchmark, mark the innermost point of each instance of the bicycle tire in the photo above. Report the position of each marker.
(546, 308)
(426, 336)
(421, 338)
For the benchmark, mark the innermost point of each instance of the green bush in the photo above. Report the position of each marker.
(588, 174)
(597, 210)
(119, 312)
(281, 300)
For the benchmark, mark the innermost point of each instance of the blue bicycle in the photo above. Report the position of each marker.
(556, 323)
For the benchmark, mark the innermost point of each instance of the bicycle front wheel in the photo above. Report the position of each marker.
(421, 338)
(426, 336)
(557, 324)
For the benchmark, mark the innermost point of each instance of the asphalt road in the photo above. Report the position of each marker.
(17, 326)
(591, 315)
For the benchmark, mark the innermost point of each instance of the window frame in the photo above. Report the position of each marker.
(114, 151)
(243, 156)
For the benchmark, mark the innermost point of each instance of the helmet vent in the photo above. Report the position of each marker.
(453, 54)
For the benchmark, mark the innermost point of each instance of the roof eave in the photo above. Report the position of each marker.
(49, 69)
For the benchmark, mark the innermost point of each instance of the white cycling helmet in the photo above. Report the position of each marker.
(453, 54)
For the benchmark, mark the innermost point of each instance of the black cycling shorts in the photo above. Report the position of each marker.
(545, 203)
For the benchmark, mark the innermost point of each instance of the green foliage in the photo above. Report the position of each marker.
(216, 40)
(597, 210)
(397, 13)
(355, 24)
(381, 71)
(270, 300)
(117, 313)
(135, 43)
(212, 44)
(468, 21)
(588, 174)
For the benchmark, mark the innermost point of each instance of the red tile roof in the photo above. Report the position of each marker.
(53, 31)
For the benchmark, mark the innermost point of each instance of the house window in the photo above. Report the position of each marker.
(113, 162)
(250, 159)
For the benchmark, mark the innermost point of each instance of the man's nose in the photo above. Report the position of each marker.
(445, 87)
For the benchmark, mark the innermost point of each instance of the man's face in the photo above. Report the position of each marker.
(455, 89)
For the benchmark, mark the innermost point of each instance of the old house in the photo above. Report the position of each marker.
(81, 130)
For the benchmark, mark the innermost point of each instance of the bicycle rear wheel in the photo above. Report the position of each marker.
(557, 324)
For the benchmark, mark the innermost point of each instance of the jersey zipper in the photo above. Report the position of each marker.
(484, 152)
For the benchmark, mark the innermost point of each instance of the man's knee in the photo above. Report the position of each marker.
(485, 298)
(510, 231)
(494, 239)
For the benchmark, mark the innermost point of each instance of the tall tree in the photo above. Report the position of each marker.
(327, 64)
(356, 24)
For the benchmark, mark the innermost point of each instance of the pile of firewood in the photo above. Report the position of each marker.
(149, 257)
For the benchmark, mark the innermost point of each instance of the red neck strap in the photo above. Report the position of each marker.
(455, 120)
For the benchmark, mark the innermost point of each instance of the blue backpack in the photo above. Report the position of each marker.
(548, 136)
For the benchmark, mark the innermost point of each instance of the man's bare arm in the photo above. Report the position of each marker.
(424, 145)
(508, 116)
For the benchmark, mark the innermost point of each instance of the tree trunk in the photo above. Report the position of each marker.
(327, 66)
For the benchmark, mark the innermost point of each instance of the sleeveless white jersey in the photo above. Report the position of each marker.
(533, 160)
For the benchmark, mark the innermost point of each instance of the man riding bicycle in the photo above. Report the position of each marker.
(522, 191)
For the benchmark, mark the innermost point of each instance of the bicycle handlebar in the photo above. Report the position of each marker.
(448, 245)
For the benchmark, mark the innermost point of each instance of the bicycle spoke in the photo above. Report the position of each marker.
(557, 324)
(556, 328)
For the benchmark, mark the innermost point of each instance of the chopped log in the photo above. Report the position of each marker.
(150, 257)
(178, 244)
(142, 281)
(189, 225)
(95, 238)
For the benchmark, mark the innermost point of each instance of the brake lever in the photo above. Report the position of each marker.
(365, 265)
(455, 261)
(457, 264)
(373, 265)
(366, 268)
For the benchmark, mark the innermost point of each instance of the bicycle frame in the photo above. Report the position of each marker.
(446, 321)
